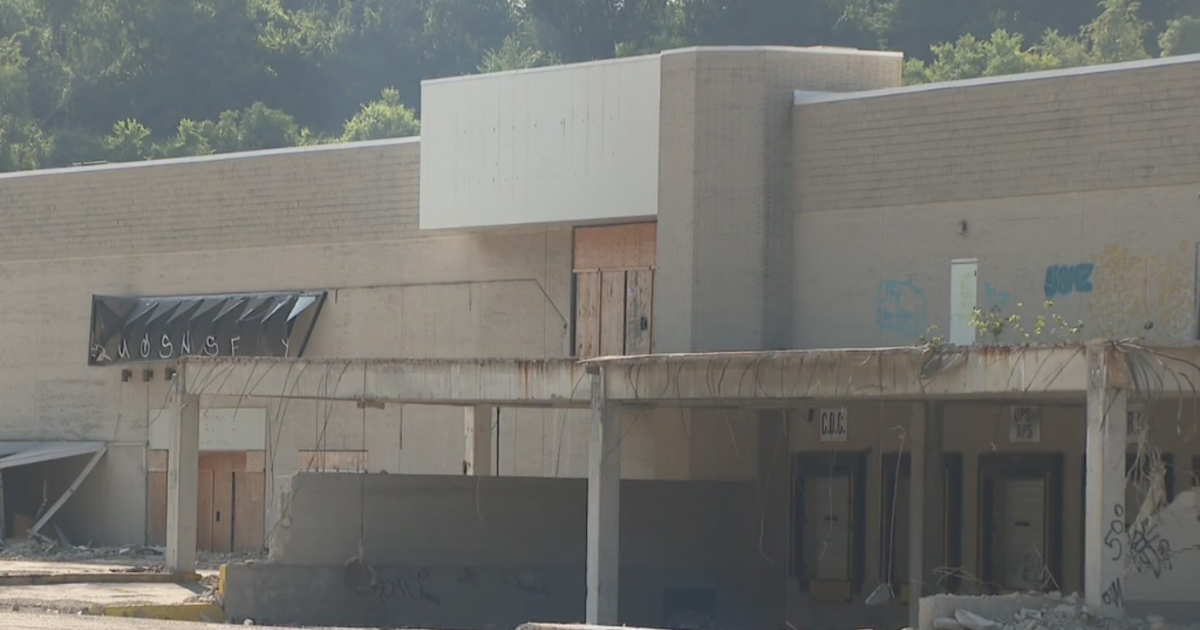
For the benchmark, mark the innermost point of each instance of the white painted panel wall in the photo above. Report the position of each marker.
(564, 144)
(243, 429)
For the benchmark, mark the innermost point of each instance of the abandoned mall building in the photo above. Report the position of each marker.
(792, 300)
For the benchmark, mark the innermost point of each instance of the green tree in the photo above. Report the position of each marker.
(385, 118)
(128, 141)
(1182, 37)
(1118, 34)
(513, 55)
(1115, 35)
(189, 140)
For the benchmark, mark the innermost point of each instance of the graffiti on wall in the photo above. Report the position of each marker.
(900, 308)
(1067, 279)
(1136, 293)
(995, 299)
(429, 587)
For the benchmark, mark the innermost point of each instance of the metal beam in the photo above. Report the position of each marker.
(49, 451)
(87, 470)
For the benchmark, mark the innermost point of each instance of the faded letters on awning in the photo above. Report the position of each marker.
(145, 329)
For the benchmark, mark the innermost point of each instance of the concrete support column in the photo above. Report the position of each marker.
(1104, 526)
(927, 504)
(183, 476)
(604, 508)
(769, 525)
(478, 426)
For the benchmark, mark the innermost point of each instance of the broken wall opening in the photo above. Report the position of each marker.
(37, 480)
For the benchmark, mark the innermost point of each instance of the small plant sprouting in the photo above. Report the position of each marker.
(995, 323)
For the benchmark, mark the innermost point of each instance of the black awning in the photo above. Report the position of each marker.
(152, 329)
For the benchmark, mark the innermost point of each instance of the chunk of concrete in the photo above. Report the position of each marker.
(946, 623)
(971, 621)
(1029, 613)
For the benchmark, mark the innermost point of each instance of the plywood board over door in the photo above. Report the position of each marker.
(639, 306)
(250, 500)
(587, 319)
(231, 503)
(204, 508)
(615, 246)
(612, 313)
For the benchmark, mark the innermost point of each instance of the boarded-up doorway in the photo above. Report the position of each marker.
(614, 290)
(231, 501)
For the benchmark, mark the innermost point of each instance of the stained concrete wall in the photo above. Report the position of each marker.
(494, 551)
(1075, 186)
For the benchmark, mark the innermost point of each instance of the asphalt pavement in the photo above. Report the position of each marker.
(39, 621)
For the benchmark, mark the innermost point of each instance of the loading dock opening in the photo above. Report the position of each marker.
(1102, 374)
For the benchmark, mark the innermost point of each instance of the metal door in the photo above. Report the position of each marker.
(963, 291)
(829, 528)
(1022, 543)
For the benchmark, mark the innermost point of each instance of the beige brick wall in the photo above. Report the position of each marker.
(1087, 172)
(341, 218)
(333, 194)
(1074, 131)
(725, 189)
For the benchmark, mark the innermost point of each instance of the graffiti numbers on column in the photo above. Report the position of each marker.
(1067, 279)
(1114, 539)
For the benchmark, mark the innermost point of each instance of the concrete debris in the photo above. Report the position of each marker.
(1064, 616)
(33, 549)
(971, 621)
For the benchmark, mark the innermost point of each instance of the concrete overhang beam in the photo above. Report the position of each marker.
(455, 382)
(720, 379)
(1026, 372)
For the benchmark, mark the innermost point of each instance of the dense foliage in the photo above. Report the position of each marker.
(96, 80)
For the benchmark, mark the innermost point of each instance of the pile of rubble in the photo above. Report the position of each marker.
(1059, 613)
(45, 549)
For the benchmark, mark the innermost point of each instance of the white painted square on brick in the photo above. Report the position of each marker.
(242, 429)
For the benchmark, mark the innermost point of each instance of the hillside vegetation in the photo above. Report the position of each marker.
(119, 80)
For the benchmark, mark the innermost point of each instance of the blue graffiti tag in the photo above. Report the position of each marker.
(995, 298)
(900, 307)
(1067, 279)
